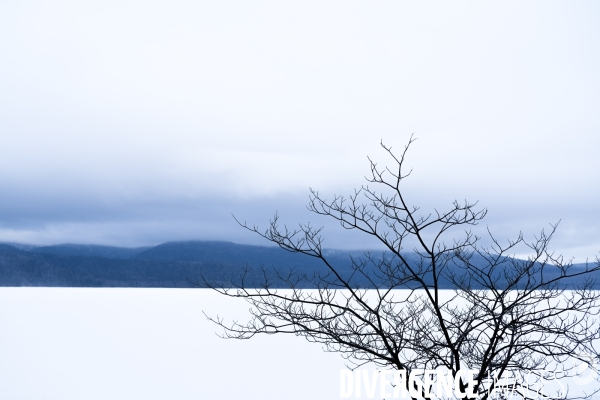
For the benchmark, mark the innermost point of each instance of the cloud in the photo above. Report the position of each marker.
(131, 123)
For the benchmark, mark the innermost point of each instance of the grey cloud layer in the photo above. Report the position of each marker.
(138, 123)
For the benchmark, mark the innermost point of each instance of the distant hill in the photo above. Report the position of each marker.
(174, 264)
(89, 250)
(177, 264)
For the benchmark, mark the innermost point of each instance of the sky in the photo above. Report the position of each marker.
(136, 123)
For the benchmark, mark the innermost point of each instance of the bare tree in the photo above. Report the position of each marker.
(507, 318)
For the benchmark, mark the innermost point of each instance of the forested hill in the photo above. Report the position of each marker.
(176, 264)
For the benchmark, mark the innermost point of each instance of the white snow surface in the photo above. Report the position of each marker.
(125, 343)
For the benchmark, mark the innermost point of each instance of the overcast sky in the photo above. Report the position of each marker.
(135, 123)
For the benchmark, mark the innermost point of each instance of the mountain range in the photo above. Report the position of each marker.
(173, 264)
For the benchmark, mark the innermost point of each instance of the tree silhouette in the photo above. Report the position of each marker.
(518, 320)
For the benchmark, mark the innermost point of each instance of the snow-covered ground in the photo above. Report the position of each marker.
(79, 344)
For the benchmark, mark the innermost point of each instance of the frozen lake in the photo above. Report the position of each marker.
(79, 344)
(72, 343)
